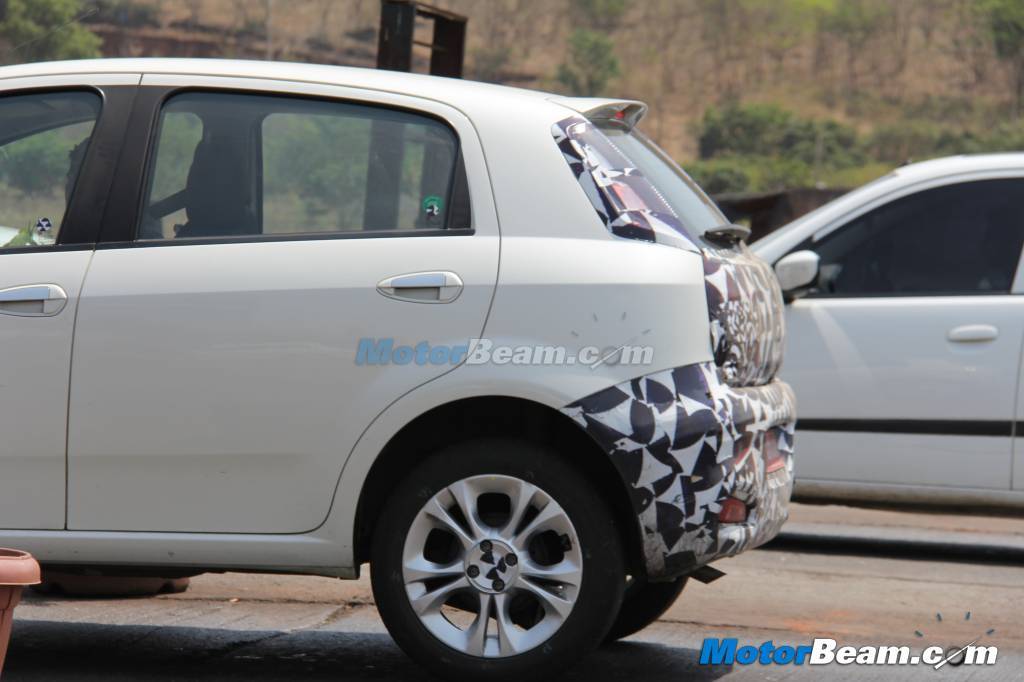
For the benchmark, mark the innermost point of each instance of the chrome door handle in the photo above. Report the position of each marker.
(422, 287)
(973, 333)
(33, 300)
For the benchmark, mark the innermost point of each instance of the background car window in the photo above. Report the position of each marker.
(43, 139)
(963, 238)
(230, 164)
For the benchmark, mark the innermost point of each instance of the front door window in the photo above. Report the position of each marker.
(43, 140)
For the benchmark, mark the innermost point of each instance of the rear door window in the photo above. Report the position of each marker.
(248, 165)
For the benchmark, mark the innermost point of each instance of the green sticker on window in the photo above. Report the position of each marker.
(433, 205)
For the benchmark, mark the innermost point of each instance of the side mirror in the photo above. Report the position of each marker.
(797, 272)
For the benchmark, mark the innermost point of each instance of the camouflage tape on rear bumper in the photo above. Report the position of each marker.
(684, 441)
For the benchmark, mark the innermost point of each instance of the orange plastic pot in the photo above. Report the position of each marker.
(17, 569)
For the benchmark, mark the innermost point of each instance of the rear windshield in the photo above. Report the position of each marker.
(636, 189)
(689, 203)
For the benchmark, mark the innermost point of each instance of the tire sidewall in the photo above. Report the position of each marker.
(601, 587)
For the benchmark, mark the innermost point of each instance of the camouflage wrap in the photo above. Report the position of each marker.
(745, 311)
(686, 439)
(625, 201)
(683, 441)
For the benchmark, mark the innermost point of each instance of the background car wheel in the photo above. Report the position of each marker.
(496, 558)
(642, 604)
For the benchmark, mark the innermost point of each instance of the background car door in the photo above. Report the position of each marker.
(49, 137)
(905, 358)
(215, 385)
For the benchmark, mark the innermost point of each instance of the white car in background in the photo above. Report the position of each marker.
(905, 323)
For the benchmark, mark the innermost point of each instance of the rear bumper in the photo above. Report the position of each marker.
(683, 442)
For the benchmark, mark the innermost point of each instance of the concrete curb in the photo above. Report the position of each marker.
(902, 542)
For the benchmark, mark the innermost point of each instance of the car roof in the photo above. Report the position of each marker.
(955, 165)
(462, 94)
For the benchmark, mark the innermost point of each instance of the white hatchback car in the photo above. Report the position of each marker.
(298, 318)
(906, 323)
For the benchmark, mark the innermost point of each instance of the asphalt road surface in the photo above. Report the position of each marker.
(254, 627)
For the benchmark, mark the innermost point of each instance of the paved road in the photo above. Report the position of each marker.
(261, 628)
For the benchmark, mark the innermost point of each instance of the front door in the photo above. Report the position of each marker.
(215, 385)
(44, 140)
(905, 360)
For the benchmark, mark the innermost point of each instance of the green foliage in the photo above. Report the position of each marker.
(785, 22)
(603, 15)
(750, 173)
(36, 164)
(296, 161)
(854, 21)
(591, 63)
(768, 130)
(718, 176)
(24, 237)
(39, 164)
(125, 12)
(913, 140)
(180, 133)
(1006, 23)
(41, 30)
(758, 147)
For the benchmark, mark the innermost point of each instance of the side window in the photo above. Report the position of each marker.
(236, 165)
(958, 239)
(43, 140)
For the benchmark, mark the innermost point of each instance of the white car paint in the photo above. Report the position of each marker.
(34, 386)
(929, 358)
(171, 488)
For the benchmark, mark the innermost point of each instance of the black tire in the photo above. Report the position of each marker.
(603, 575)
(643, 604)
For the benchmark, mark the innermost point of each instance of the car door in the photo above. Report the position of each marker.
(215, 385)
(55, 153)
(905, 356)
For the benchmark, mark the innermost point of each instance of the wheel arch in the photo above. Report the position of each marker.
(495, 416)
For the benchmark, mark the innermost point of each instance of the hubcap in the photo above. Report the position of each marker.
(492, 566)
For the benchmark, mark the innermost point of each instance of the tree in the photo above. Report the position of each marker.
(590, 65)
(43, 30)
(1006, 25)
(856, 22)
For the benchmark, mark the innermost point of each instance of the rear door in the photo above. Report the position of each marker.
(59, 137)
(905, 360)
(215, 385)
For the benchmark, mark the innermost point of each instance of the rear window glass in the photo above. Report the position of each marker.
(689, 203)
(230, 164)
(636, 189)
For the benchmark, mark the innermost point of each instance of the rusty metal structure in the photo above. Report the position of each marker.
(397, 38)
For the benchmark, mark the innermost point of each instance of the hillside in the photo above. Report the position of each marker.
(848, 88)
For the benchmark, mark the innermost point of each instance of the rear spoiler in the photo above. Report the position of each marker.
(623, 112)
